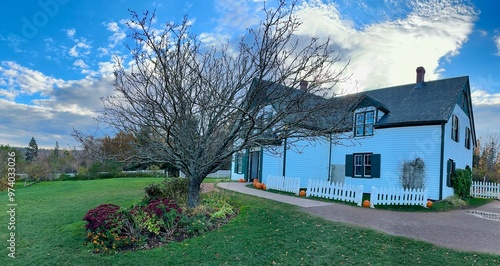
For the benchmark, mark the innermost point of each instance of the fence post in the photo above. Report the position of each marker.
(373, 197)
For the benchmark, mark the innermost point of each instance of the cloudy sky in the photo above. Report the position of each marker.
(56, 56)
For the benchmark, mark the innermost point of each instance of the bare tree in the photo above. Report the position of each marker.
(195, 107)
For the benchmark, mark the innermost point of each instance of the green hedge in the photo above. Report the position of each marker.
(462, 180)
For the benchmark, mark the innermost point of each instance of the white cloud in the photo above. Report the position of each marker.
(70, 33)
(80, 48)
(482, 97)
(116, 39)
(497, 43)
(387, 53)
(19, 80)
(113, 26)
(102, 51)
(118, 33)
(67, 104)
(80, 63)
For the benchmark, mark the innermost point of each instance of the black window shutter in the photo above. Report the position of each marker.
(449, 170)
(349, 165)
(375, 171)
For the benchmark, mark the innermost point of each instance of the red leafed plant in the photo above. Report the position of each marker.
(101, 217)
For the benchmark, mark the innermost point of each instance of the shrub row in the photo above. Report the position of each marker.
(92, 176)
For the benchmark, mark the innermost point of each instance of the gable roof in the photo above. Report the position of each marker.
(428, 103)
(432, 103)
(304, 109)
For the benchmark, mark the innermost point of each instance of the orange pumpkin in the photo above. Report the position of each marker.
(429, 204)
(241, 180)
(264, 187)
(366, 203)
(302, 193)
(258, 185)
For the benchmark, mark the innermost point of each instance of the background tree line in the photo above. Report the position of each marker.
(109, 154)
(486, 164)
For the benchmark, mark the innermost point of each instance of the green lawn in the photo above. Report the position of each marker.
(49, 231)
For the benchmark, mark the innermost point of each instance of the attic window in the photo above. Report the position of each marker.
(363, 124)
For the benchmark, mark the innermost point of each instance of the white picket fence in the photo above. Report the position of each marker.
(480, 189)
(282, 183)
(398, 196)
(336, 191)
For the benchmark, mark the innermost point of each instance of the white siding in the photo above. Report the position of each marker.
(396, 145)
(304, 159)
(456, 150)
(234, 175)
(272, 159)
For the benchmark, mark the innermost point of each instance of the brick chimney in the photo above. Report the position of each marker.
(303, 85)
(420, 74)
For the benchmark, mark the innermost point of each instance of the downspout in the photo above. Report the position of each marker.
(441, 164)
(284, 157)
(330, 159)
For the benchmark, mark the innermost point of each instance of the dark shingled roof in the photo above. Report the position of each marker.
(427, 103)
(431, 103)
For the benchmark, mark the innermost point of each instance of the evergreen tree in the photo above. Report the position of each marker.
(56, 151)
(32, 152)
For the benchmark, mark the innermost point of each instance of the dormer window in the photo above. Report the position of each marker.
(363, 123)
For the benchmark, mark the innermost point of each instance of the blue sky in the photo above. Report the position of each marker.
(57, 56)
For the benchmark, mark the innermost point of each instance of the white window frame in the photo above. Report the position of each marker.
(365, 124)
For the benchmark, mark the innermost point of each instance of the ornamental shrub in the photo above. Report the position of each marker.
(102, 217)
(462, 181)
(160, 215)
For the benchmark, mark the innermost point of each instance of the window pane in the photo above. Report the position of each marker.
(358, 170)
(368, 159)
(369, 118)
(368, 170)
(359, 119)
(358, 160)
(368, 130)
(359, 131)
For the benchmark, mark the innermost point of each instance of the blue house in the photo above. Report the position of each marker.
(432, 121)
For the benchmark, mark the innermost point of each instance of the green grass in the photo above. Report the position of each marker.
(216, 180)
(49, 231)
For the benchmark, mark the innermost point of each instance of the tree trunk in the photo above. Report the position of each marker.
(194, 191)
